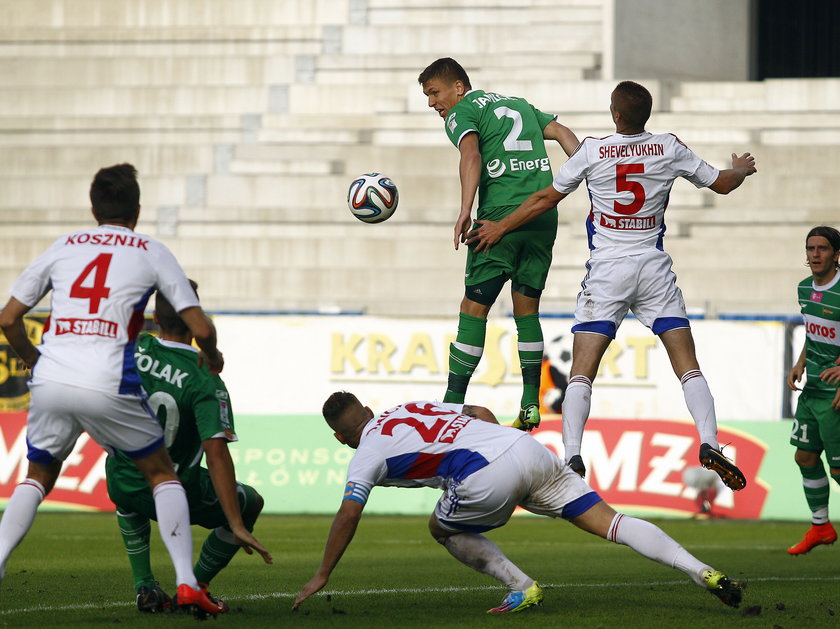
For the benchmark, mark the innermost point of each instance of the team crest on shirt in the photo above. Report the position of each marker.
(450, 122)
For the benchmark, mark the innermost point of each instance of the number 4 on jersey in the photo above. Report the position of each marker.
(97, 292)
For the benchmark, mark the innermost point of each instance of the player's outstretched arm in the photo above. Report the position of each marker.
(469, 171)
(223, 475)
(204, 333)
(490, 232)
(11, 322)
(731, 178)
(341, 533)
(564, 136)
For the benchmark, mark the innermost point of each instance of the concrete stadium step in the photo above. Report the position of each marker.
(144, 14)
(509, 14)
(465, 38)
(180, 100)
(53, 191)
(84, 159)
(94, 72)
(765, 96)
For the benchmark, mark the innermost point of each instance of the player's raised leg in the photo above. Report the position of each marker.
(530, 347)
(465, 353)
(23, 504)
(698, 398)
(587, 350)
(649, 540)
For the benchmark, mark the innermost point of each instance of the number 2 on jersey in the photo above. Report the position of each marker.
(96, 293)
(622, 184)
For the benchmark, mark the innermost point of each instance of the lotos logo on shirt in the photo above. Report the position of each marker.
(821, 331)
(86, 327)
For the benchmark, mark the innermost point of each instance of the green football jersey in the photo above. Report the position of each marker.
(510, 138)
(191, 405)
(820, 307)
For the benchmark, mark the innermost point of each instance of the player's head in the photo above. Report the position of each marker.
(169, 322)
(444, 82)
(822, 248)
(115, 195)
(633, 103)
(346, 416)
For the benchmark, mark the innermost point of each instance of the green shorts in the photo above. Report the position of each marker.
(816, 427)
(523, 255)
(205, 508)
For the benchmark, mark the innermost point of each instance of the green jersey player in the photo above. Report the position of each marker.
(816, 426)
(503, 159)
(193, 407)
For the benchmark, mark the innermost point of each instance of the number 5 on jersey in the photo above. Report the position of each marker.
(98, 291)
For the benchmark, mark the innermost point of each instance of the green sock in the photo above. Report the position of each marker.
(815, 485)
(530, 347)
(464, 355)
(136, 532)
(217, 551)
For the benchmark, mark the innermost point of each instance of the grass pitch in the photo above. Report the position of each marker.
(71, 571)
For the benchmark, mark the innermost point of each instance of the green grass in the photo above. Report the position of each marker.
(70, 571)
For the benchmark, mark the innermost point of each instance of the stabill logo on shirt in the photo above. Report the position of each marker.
(86, 327)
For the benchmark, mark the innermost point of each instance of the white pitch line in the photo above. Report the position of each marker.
(426, 590)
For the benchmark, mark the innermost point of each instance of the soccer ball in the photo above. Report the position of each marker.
(372, 197)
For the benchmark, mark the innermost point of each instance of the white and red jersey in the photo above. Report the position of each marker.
(101, 280)
(424, 444)
(629, 178)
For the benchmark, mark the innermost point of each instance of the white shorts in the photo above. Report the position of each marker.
(528, 475)
(58, 413)
(643, 284)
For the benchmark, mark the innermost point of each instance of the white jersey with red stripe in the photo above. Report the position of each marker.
(424, 444)
(629, 178)
(101, 280)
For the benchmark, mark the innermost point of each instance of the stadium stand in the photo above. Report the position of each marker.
(248, 120)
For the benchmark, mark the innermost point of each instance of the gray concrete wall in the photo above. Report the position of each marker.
(677, 39)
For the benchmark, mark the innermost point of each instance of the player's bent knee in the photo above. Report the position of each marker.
(666, 324)
(486, 292)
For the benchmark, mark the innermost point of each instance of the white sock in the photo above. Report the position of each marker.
(479, 553)
(649, 540)
(701, 405)
(18, 517)
(174, 523)
(576, 404)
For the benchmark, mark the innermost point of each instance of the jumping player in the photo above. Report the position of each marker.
(816, 427)
(193, 407)
(502, 144)
(629, 177)
(485, 471)
(84, 376)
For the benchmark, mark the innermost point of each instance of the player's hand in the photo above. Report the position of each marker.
(315, 584)
(794, 376)
(250, 543)
(831, 376)
(215, 365)
(487, 234)
(745, 162)
(462, 225)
